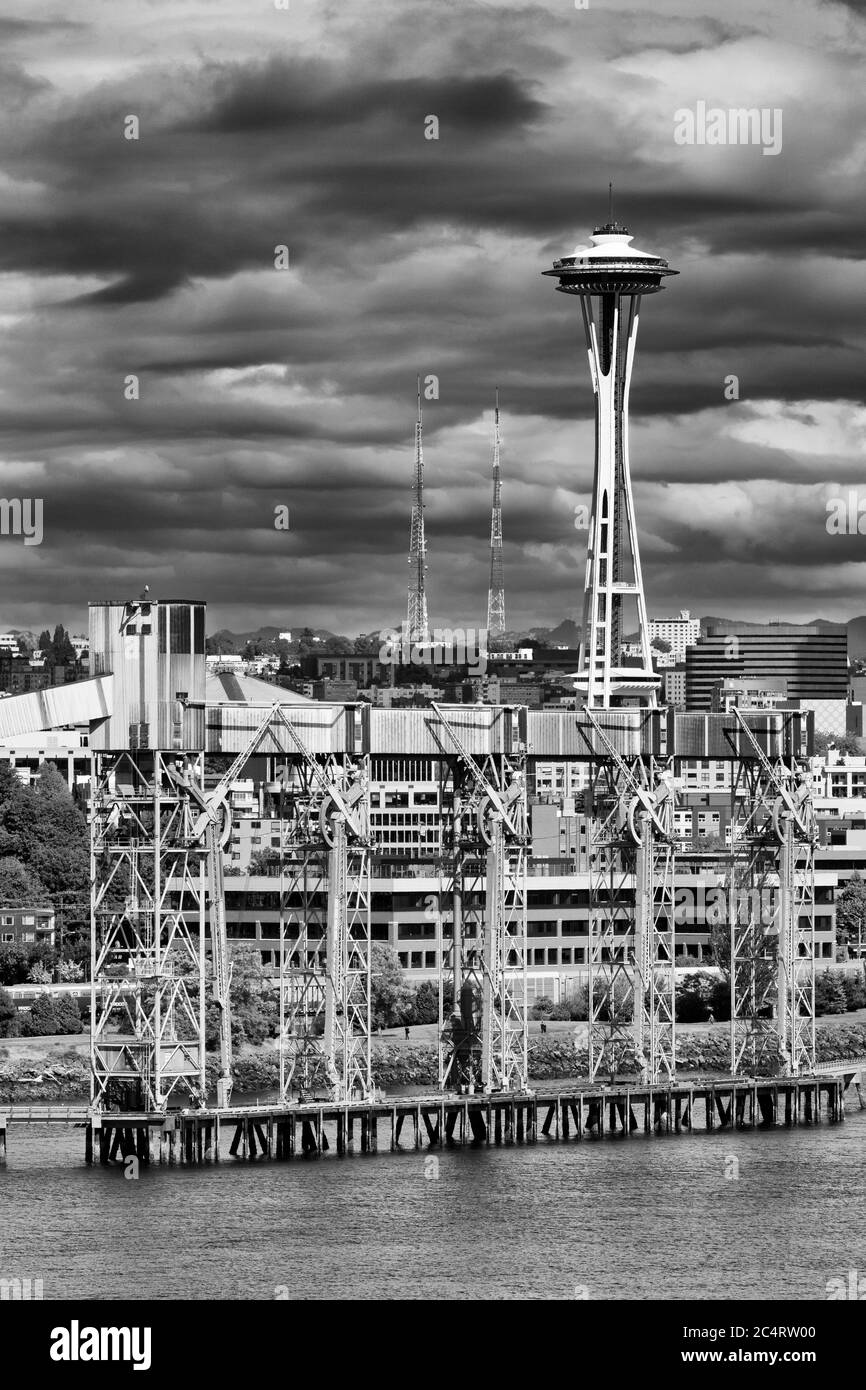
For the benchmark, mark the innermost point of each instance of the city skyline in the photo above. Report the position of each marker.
(261, 387)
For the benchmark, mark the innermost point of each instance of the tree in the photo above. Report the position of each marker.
(694, 998)
(45, 646)
(62, 648)
(14, 963)
(851, 917)
(44, 833)
(855, 992)
(542, 1007)
(843, 743)
(390, 996)
(50, 1015)
(425, 1004)
(264, 860)
(830, 993)
(8, 1015)
(19, 887)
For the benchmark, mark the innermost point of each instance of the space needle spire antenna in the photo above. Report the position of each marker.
(417, 610)
(609, 276)
(496, 591)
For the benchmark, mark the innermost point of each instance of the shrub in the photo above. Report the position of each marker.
(694, 998)
(542, 1007)
(561, 1013)
(50, 1015)
(855, 992)
(425, 1004)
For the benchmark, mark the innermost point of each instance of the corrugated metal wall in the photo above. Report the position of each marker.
(81, 702)
(155, 651)
(322, 728)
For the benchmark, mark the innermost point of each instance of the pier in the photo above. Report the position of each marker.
(311, 1129)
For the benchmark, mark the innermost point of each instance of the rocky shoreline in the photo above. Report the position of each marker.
(65, 1077)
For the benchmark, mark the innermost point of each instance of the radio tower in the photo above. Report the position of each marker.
(496, 592)
(609, 276)
(417, 614)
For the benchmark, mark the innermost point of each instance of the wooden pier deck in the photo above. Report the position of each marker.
(579, 1112)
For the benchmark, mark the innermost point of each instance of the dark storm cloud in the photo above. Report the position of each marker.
(259, 387)
(285, 97)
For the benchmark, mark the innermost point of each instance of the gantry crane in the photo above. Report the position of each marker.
(212, 830)
(484, 1044)
(772, 963)
(328, 816)
(325, 996)
(632, 865)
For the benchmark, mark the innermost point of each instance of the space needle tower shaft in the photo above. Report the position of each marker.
(610, 276)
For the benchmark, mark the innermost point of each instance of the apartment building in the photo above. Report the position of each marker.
(678, 633)
(27, 925)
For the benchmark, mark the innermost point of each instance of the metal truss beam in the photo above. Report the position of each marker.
(483, 1045)
(772, 917)
(147, 935)
(325, 957)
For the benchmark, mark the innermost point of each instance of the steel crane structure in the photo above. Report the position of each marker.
(210, 833)
(632, 858)
(324, 924)
(148, 899)
(484, 1044)
(772, 915)
(325, 844)
(157, 841)
(148, 878)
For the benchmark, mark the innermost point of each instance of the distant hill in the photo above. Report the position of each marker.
(565, 634)
(856, 630)
(231, 643)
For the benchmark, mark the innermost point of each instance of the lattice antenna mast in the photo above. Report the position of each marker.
(496, 592)
(417, 611)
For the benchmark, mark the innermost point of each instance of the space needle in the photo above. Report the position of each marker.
(610, 276)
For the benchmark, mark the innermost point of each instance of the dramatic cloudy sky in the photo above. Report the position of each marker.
(262, 126)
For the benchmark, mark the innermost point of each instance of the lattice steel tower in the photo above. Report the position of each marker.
(610, 275)
(496, 592)
(417, 612)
